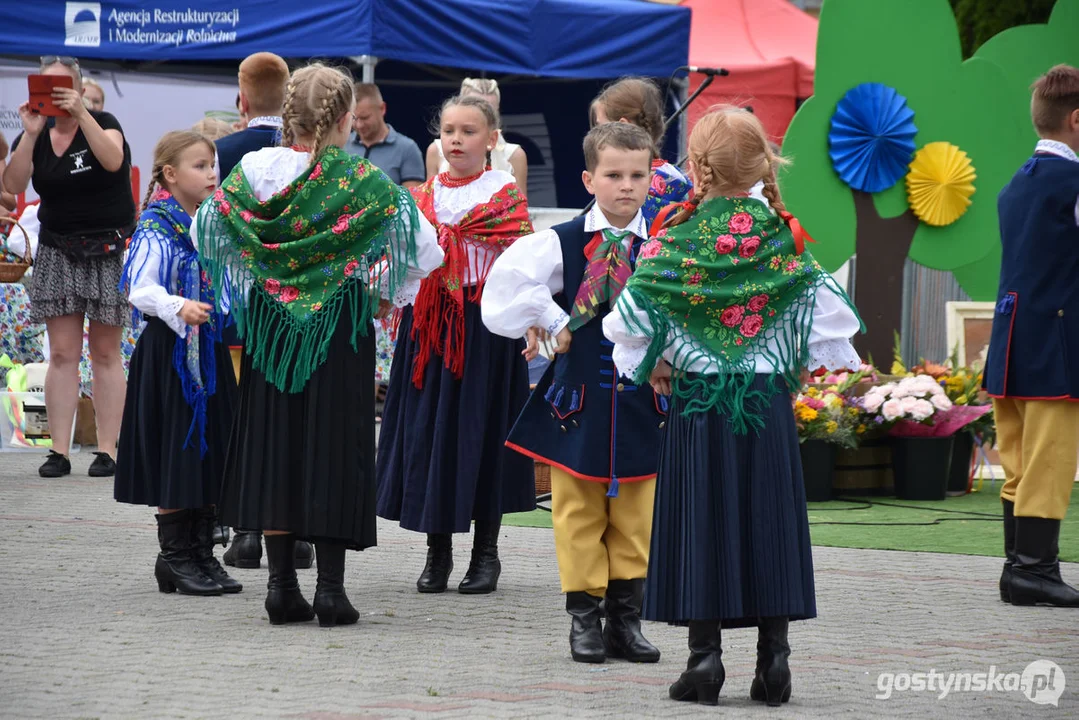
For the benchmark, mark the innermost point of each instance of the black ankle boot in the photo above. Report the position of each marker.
(586, 629)
(331, 604)
(485, 567)
(436, 573)
(1036, 573)
(1009, 550)
(305, 555)
(704, 675)
(245, 550)
(284, 602)
(202, 539)
(772, 681)
(622, 636)
(176, 569)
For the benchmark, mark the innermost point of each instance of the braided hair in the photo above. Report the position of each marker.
(316, 98)
(731, 153)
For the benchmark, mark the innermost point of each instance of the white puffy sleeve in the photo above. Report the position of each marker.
(428, 259)
(521, 286)
(834, 324)
(145, 291)
(630, 343)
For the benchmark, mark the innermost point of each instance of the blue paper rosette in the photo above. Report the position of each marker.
(871, 140)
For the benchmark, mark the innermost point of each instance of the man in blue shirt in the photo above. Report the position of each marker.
(388, 150)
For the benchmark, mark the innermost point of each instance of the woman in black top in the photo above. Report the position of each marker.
(81, 170)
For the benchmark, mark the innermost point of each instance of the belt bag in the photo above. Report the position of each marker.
(88, 245)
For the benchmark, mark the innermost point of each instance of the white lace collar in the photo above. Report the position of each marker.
(597, 221)
(266, 121)
(1056, 147)
(451, 203)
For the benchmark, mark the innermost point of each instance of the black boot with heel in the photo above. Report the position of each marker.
(1036, 576)
(772, 680)
(202, 538)
(1009, 550)
(622, 636)
(284, 601)
(704, 675)
(176, 569)
(485, 567)
(436, 573)
(331, 604)
(586, 630)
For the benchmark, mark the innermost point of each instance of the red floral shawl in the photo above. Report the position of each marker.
(439, 310)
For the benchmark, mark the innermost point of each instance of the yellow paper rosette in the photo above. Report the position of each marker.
(940, 183)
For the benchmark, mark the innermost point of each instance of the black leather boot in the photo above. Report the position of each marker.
(284, 602)
(202, 539)
(622, 635)
(485, 567)
(221, 535)
(586, 629)
(245, 550)
(176, 569)
(436, 573)
(331, 604)
(305, 555)
(772, 681)
(704, 675)
(1009, 550)
(1036, 573)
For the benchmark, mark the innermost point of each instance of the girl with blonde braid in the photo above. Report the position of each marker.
(314, 243)
(181, 392)
(728, 296)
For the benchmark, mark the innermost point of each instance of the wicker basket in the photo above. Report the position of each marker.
(12, 272)
(543, 478)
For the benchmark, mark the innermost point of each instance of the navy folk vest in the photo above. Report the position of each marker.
(582, 417)
(1034, 348)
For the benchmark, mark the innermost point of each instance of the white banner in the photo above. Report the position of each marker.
(147, 107)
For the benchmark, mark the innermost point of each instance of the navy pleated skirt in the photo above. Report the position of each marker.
(442, 459)
(304, 462)
(152, 465)
(730, 532)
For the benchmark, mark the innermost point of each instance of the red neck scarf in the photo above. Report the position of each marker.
(439, 310)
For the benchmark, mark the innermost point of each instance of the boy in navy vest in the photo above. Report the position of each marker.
(263, 79)
(599, 433)
(1032, 370)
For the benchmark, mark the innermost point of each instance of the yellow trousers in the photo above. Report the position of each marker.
(1039, 449)
(598, 538)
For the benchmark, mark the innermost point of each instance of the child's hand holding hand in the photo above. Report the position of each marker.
(195, 313)
(661, 378)
(563, 340)
(385, 307)
(533, 338)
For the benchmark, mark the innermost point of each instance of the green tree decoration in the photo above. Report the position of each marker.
(912, 46)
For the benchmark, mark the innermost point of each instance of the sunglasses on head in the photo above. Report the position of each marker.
(65, 60)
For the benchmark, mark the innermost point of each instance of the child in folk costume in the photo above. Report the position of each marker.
(600, 436)
(455, 388)
(729, 297)
(299, 232)
(639, 101)
(1032, 370)
(181, 392)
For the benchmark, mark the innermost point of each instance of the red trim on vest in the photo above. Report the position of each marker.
(574, 473)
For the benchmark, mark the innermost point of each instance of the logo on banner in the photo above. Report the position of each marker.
(82, 24)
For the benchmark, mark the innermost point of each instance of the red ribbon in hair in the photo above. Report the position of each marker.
(801, 237)
(662, 215)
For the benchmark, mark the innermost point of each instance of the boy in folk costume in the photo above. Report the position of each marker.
(1032, 370)
(600, 434)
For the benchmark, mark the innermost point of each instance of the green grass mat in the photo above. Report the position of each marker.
(966, 525)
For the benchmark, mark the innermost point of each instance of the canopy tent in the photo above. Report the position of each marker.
(769, 46)
(553, 38)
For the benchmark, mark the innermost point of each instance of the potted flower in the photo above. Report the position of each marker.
(825, 423)
(963, 386)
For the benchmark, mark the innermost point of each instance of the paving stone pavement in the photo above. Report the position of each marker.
(85, 633)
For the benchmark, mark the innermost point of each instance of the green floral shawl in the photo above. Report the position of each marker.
(313, 246)
(730, 284)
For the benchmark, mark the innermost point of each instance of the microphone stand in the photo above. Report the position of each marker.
(708, 80)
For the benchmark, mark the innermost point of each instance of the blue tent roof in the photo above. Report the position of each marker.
(555, 38)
